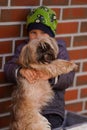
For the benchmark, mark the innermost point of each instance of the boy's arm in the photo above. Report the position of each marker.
(11, 67)
(65, 80)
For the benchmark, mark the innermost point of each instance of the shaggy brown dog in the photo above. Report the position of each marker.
(29, 99)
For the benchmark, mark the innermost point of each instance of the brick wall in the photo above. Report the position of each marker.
(72, 27)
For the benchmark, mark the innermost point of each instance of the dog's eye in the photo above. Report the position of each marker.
(44, 46)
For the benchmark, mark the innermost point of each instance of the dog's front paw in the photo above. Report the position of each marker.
(74, 66)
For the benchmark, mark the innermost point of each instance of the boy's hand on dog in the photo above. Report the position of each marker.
(29, 74)
(33, 75)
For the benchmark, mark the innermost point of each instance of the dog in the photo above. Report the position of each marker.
(29, 99)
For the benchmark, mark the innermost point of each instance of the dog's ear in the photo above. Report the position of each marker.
(24, 58)
(55, 46)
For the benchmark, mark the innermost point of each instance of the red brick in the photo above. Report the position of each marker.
(74, 13)
(25, 2)
(25, 31)
(57, 11)
(2, 77)
(5, 47)
(81, 80)
(85, 113)
(0, 62)
(5, 106)
(4, 121)
(18, 42)
(9, 31)
(84, 66)
(78, 70)
(3, 2)
(55, 2)
(86, 105)
(80, 40)
(6, 91)
(71, 95)
(83, 93)
(78, 54)
(8, 58)
(79, 2)
(64, 28)
(74, 106)
(12, 15)
(84, 27)
(67, 40)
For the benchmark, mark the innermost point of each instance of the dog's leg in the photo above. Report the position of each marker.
(56, 67)
(38, 122)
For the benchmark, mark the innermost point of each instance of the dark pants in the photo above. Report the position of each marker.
(55, 120)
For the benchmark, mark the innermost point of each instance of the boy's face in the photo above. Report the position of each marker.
(36, 33)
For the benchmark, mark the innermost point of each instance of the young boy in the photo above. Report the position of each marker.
(42, 22)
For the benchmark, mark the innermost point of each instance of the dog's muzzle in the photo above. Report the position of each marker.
(45, 54)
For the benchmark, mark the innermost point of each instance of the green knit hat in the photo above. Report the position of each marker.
(43, 15)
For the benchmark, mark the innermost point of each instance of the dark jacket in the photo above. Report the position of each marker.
(64, 81)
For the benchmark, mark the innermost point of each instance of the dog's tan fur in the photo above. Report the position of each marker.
(29, 99)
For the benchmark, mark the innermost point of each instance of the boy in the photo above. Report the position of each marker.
(42, 22)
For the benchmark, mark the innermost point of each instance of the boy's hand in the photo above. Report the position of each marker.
(32, 75)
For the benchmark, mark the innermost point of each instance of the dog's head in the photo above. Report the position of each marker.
(42, 50)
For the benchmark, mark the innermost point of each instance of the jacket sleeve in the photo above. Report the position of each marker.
(64, 80)
(11, 66)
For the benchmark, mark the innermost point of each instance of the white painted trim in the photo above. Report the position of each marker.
(77, 48)
(9, 3)
(5, 114)
(6, 128)
(5, 99)
(75, 101)
(6, 84)
(54, 6)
